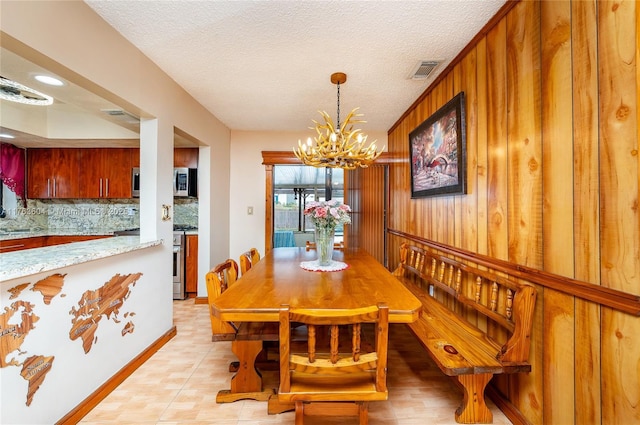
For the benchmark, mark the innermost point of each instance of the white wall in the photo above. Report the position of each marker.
(75, 374)
(247, 182)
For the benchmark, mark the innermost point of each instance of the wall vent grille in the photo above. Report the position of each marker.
(424, 69)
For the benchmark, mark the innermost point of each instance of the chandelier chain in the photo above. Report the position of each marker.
(338, 128)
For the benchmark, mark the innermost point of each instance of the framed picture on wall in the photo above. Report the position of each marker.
(438, 152)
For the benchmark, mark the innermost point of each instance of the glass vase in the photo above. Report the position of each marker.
(324, 244)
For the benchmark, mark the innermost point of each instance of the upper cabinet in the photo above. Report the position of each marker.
(89, 173)
(78, 173)
(185, 157)
(53, 173)
(135, 157)
(105, 173)
(182, 157)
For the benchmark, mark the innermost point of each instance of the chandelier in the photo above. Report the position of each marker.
(337, 146)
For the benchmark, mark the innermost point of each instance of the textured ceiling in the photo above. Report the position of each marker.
(265, 65)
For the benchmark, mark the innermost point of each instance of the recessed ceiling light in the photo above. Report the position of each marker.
(46, 79)
(6, 136)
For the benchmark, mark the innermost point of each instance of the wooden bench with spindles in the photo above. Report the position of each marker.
(474, 323)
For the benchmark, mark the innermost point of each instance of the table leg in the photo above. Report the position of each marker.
(247, 381)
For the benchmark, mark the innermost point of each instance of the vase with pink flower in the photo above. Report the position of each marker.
(326, 216)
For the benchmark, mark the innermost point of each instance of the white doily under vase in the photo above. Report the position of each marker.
(313, 266)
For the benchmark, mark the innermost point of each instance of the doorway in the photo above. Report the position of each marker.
(294, 187)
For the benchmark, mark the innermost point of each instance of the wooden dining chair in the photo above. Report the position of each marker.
(329, 382)
(312, 245)
(218, 280)
(248, 259)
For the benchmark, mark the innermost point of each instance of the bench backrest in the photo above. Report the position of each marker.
(478, 295)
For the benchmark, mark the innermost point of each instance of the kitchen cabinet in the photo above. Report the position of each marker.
(105, 173)
(22, 243)
(135, 157)
(185, 157)
(41, 241)
(182, 157)
(191, 264)
(52, 173)
(61, 240)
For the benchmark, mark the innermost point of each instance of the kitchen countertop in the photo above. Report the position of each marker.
(18, 264)
(7, 235)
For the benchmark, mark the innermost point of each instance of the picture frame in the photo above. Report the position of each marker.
(437, 150)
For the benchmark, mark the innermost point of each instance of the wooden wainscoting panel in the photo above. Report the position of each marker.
(586, 208)
(557, 231)
(619, 191)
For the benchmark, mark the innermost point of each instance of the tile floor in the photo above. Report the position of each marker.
(178, 385)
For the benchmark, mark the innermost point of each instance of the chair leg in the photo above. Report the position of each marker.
(299, 413)
(363, 411)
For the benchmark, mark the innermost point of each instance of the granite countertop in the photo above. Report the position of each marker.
(6, 235)
(18, 264)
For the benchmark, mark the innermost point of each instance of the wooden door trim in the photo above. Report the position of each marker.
(269, 159)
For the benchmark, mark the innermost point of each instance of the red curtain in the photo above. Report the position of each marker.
(12, 169)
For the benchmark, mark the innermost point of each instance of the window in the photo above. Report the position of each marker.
(294, 186)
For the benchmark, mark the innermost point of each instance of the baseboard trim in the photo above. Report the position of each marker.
(201, 300)
(80, 411)
(509, 410)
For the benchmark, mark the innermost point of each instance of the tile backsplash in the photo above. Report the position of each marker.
(100, 215)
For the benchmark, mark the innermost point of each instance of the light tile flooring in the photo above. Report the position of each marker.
(178, 385)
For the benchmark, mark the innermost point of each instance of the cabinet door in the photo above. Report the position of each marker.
(191, 260)
(106, 173)
(91, 168)
(117, 173)
(52, 173)
(39, 173)
(185, 157)
(135, 157)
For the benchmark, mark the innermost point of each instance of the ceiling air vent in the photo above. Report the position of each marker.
(123, 115)
(423, 69)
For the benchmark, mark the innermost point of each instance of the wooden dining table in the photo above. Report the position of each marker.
(279, 279)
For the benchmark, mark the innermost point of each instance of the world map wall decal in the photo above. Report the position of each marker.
(94, 305)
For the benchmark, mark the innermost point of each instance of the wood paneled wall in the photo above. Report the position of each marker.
(552, 91)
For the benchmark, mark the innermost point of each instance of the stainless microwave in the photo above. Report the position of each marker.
(185, 182)
(135, 182)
